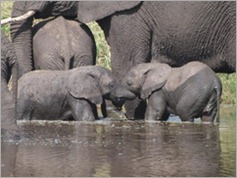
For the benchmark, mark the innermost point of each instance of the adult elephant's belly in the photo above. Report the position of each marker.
(184, 47)
(185, 31)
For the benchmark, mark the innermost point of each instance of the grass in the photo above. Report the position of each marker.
(103, 54)
(228, 88)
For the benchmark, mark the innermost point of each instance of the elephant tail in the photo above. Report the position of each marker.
(218, 90)
(68, 60)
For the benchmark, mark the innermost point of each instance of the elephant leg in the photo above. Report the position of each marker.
(210, 111)
(9, 128)
(94, 110)
(135, 109)
(184, 112)
(25, 110)
(103, 108)
(209, 117)
(157, 107)
(82, 110)
(67, 116)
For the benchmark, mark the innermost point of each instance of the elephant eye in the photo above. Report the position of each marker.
(129, 82)
(111, 85)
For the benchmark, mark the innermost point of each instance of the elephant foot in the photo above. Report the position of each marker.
(114, 113)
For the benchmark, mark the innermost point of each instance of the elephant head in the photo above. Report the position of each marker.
(91, 83)
(143, 79)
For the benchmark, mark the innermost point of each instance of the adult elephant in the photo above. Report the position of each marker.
(137, 32)
(9, 128)
(21, 31)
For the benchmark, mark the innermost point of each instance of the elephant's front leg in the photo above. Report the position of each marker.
(135, 109)
(156, 109)
(82, 110)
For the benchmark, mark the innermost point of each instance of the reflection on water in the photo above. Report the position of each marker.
(123, 148)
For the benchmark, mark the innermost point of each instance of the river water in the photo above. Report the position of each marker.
(123, 148)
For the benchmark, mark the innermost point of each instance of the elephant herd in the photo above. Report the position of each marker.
(163, 55)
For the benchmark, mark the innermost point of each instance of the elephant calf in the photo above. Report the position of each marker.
(50, 95)
(190, 91)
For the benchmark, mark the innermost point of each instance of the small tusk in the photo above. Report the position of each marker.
(22, 17)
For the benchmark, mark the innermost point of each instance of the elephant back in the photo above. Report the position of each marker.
(194, 80)
(96, 10)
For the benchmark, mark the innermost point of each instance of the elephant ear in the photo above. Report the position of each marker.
(85, 86)
(155, 79)
(95, 10)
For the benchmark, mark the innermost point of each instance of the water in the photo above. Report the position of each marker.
(123, 148)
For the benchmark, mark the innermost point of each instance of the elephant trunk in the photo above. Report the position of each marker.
(14, 71)
(120, 94)
(218, 90)
(22, 40)
(8, 110)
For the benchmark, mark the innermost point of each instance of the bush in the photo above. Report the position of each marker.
(228, 88)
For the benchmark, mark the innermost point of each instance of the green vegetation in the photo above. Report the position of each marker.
(6, 7)
(103, 54)
(228, 88)
(103, 50)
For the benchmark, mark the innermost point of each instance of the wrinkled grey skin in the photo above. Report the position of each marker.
(50, 95)
(9, 128)
(61, 44)
(190, 91)
(172, 32)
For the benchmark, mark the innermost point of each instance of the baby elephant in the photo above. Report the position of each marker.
(74, 93)
(190, 91)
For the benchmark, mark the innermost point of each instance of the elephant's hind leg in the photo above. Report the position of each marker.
(25, 111)
(210, 111)
(185, 112)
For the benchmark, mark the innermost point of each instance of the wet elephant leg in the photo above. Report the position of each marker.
(135, 109)
(184, 112)
(9, 128)
(67, 116)
(25, 111)
(157, 107)
(82, 110)
(209, 117)
(210, 111)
